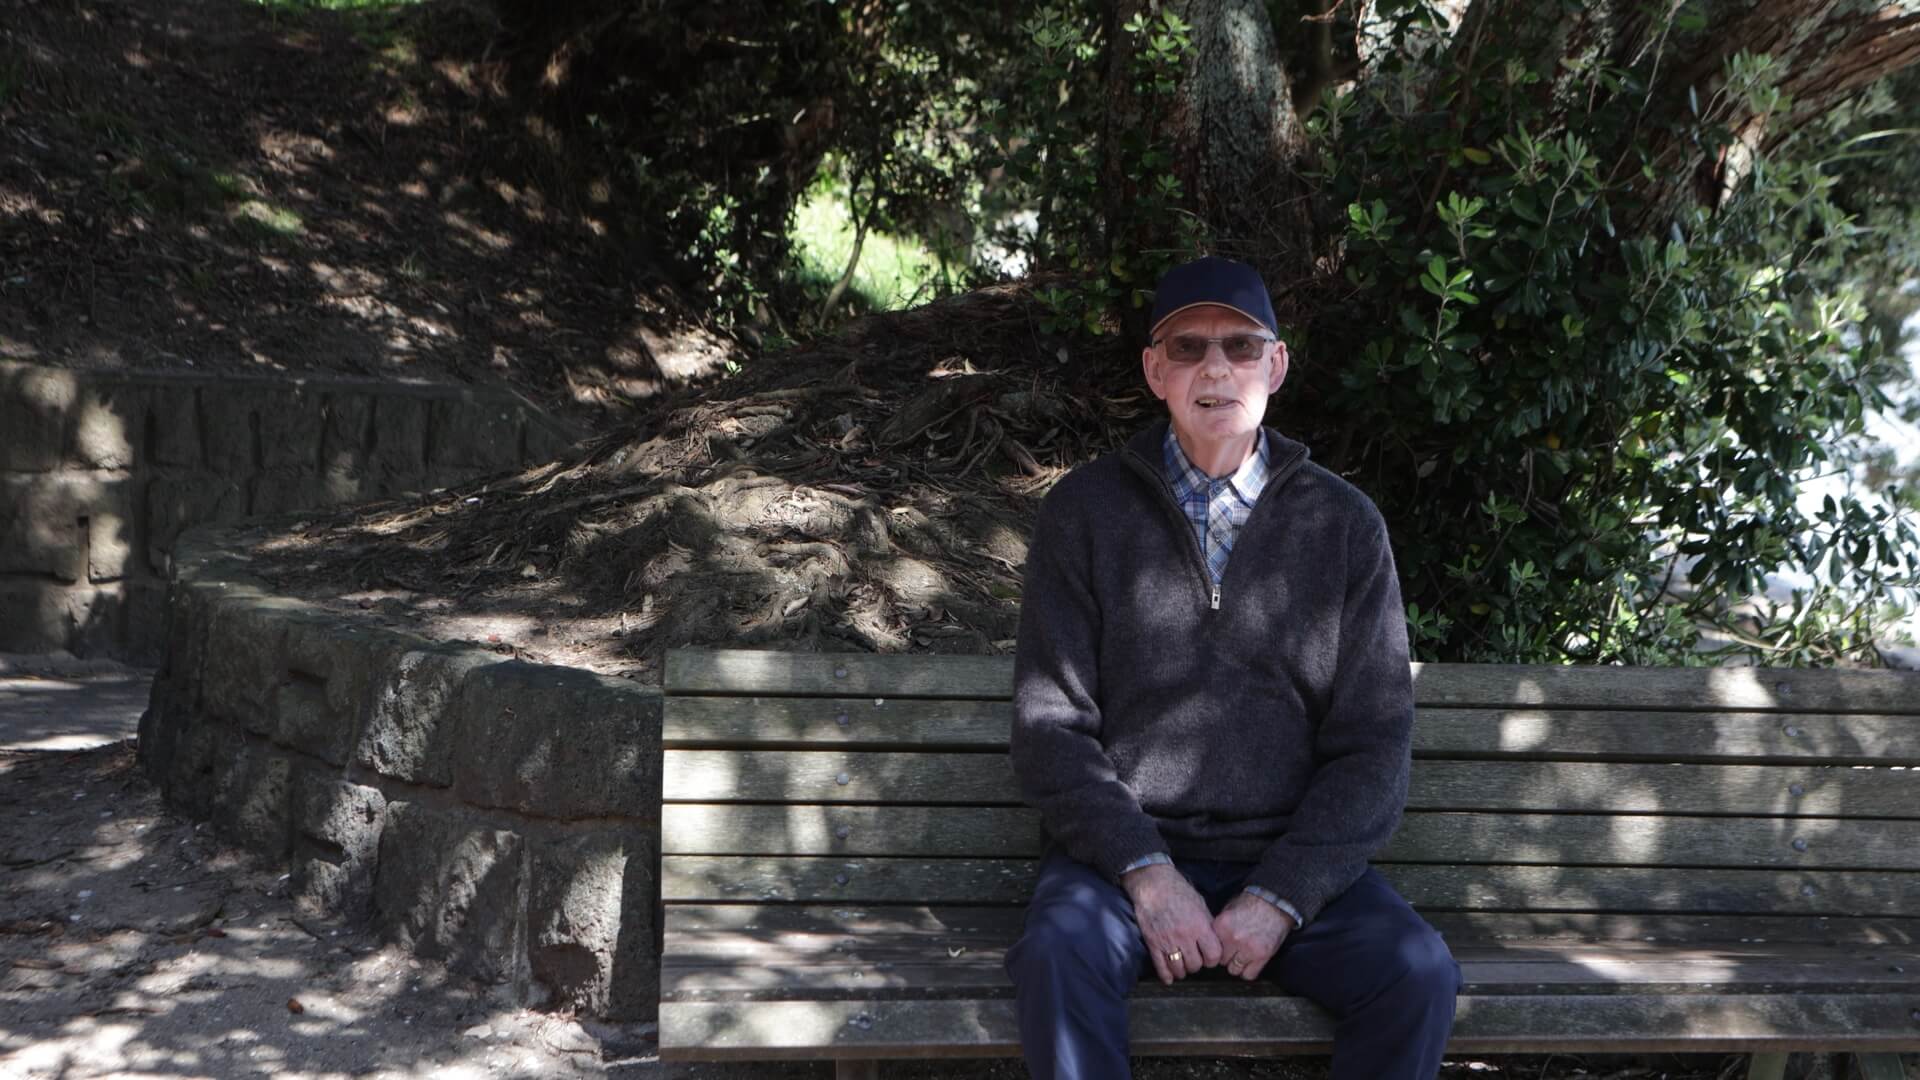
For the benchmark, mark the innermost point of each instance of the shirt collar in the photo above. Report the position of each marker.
(1249, 480)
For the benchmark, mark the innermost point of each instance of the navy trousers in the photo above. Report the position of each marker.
(1384, 974)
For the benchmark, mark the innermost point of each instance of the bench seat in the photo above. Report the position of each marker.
(1622, 860)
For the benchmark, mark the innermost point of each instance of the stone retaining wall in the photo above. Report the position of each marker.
(100, 470)
(498, 815)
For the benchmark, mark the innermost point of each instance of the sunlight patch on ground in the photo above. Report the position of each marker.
(274, 219)
(495, 241)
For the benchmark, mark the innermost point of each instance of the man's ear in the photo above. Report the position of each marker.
(1279, 374)
(1150, 367)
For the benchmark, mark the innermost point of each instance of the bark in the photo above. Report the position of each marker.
(1230, 124)
(1827, 50)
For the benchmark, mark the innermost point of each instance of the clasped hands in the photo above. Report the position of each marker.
(1182, 936)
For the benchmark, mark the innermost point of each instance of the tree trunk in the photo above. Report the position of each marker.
(1825, 50)
(1229, 125)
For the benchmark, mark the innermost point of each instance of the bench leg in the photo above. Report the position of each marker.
(1767, 1067)
(856, 1070)
(1881, 1067)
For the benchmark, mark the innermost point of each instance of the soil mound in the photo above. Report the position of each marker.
(872, 492)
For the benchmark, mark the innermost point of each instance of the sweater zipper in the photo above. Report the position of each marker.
(1157, 481)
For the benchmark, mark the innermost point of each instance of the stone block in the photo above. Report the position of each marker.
(181, 500)
(197, 747)
(253, 797)
(336, 843)
(146, 623)
(290, 420)
(39, 532)
(472, 437)
(228, 431)
(283, 491)
(558, 743)
(109, 425)
(398, 451)
(35, 404)
(188, 614)
(244, 667)
(99, 620)
(175, 706)
(455, 889)
(47, 524)
(348, 427)
(174, 426)
(413, 721)
(37, 619)
(590, 909)
(320, 706)
(346, 465)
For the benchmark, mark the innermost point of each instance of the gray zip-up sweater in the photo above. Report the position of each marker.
(1266, 721)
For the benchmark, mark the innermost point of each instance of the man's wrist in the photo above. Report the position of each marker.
(1157, 858)
(1275, 899)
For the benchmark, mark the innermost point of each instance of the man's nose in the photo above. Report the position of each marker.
(1214, 361)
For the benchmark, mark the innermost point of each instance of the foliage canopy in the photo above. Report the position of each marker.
(1585, 296)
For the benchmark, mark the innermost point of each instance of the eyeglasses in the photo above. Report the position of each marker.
(1192, 348)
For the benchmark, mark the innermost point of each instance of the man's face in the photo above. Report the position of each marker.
(1214, 401)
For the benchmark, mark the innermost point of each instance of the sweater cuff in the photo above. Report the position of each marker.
(1158, 858)
(1273, 898)
(1306, 892)
(1126, 845)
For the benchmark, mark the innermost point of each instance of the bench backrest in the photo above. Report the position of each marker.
(1658, 803)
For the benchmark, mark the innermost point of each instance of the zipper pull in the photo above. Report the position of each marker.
(1216, 598)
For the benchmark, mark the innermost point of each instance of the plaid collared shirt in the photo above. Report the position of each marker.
(1217, 508)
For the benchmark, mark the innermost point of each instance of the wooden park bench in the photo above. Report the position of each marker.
(1623, 860)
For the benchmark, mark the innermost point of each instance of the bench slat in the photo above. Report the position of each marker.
(751, 671)
(1558, 734)
(826, 966)
(1496, 962)
(1699, 737)
(805, 879)
(747, 671)
(1683, 689)
(861, 776)
(1424, 836)
(815, 776)
(964, 924)
(1202, 1024)
(904, 722)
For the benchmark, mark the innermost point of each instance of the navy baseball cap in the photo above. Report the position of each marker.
(1216, 281)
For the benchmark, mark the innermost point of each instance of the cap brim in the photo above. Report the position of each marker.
(1237, 310)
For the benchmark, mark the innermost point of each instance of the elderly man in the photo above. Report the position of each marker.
(1212, 714)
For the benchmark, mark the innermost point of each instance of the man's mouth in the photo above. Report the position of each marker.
(1213, 402)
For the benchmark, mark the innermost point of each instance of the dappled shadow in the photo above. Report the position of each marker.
(132, 941)
(775, 509)
(223, 186)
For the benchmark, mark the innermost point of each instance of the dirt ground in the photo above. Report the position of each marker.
(134, 944)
